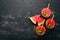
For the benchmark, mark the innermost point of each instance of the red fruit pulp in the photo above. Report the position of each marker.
(50, 23)
(46, 12)
(40, 30)
(34, 18)
(40, 20)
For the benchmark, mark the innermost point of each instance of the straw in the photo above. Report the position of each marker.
(48, 5)
(52, 17)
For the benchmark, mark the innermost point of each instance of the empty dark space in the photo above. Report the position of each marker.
(15, 23)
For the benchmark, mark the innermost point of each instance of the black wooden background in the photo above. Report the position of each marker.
(15, 23)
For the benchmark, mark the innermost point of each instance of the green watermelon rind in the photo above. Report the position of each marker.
(32, 20)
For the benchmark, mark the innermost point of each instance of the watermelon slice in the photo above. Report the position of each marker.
(40, 30)
(46, 12)
(34, 18)
(37, 19)
(40, 21)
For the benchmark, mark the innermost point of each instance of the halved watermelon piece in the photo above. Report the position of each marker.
(40, 21)
(34, 18)
(40, 30)
(37, 19)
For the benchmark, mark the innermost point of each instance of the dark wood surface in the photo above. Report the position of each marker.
(15, 23)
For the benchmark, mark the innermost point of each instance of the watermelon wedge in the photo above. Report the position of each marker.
(40, 21)
(34, 18)
(40, 30)
(37, 19)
